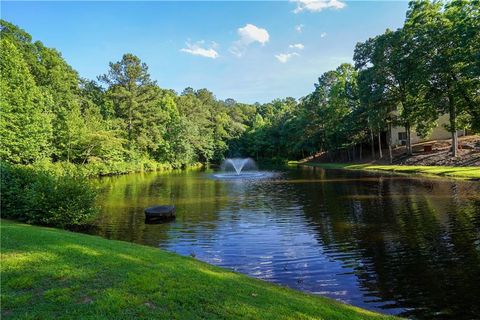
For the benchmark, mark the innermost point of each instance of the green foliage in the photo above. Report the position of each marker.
(46, 197)
(131, 125)
(58, 82)
(137, 101)
(449, 37)
(25, 127)
(208, 126)
(406, 77)
(103, 168)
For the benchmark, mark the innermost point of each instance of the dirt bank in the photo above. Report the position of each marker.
(469, 154)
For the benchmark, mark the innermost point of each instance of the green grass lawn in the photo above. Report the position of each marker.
(53, 274)
(454, 172)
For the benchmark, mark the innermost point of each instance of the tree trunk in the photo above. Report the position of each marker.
(373, 144)
(360, 152)
(409, 139)
(380, 153)
(389, 141)
(453, 127)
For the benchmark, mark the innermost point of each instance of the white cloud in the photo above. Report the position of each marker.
(198, 50)
(317, 5)
(251, 33)
(298, 46)
(284, 57)
(248, 35)
(323, 35)
(299, 28)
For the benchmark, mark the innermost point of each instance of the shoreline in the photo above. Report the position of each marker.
(464, 173)
(79, 275)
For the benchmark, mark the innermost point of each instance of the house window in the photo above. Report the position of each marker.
(402, 136)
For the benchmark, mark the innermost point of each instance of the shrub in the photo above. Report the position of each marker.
(98, 168)
(59, 198)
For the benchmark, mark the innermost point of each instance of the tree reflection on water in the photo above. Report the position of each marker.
(397, 244)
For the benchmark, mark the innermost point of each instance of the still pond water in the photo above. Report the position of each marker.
(396, 244)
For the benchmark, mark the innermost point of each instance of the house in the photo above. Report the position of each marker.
(399, 135)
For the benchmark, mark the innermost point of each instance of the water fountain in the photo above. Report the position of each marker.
(238, 164)
(239, 168)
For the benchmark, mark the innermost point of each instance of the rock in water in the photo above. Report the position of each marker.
(160, 212)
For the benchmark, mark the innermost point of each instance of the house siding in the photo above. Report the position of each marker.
(438, 133)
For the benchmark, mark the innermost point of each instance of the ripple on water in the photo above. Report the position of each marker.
(387, 243)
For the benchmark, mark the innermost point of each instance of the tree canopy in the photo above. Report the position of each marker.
(407, 77)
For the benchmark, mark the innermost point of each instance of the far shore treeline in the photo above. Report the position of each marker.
(56, 122)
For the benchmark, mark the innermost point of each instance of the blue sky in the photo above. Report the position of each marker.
(249, 51)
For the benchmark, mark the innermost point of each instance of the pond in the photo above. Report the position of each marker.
(396, 244)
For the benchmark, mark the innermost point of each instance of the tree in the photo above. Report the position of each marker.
(137, 100)
(394, 78)
(334, 99)
(25, 124)
(197, 115)
(55, 79)
(447, 37)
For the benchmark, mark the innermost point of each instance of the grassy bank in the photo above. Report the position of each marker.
(49, 273)
(454, 172)
(98, 169)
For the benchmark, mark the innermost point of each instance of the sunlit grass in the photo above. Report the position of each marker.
(48, 273)
(455, 172)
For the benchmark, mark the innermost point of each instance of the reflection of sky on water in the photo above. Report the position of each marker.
(281, 253)
(383, 242)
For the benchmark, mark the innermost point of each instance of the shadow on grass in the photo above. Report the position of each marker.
(48, 273)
